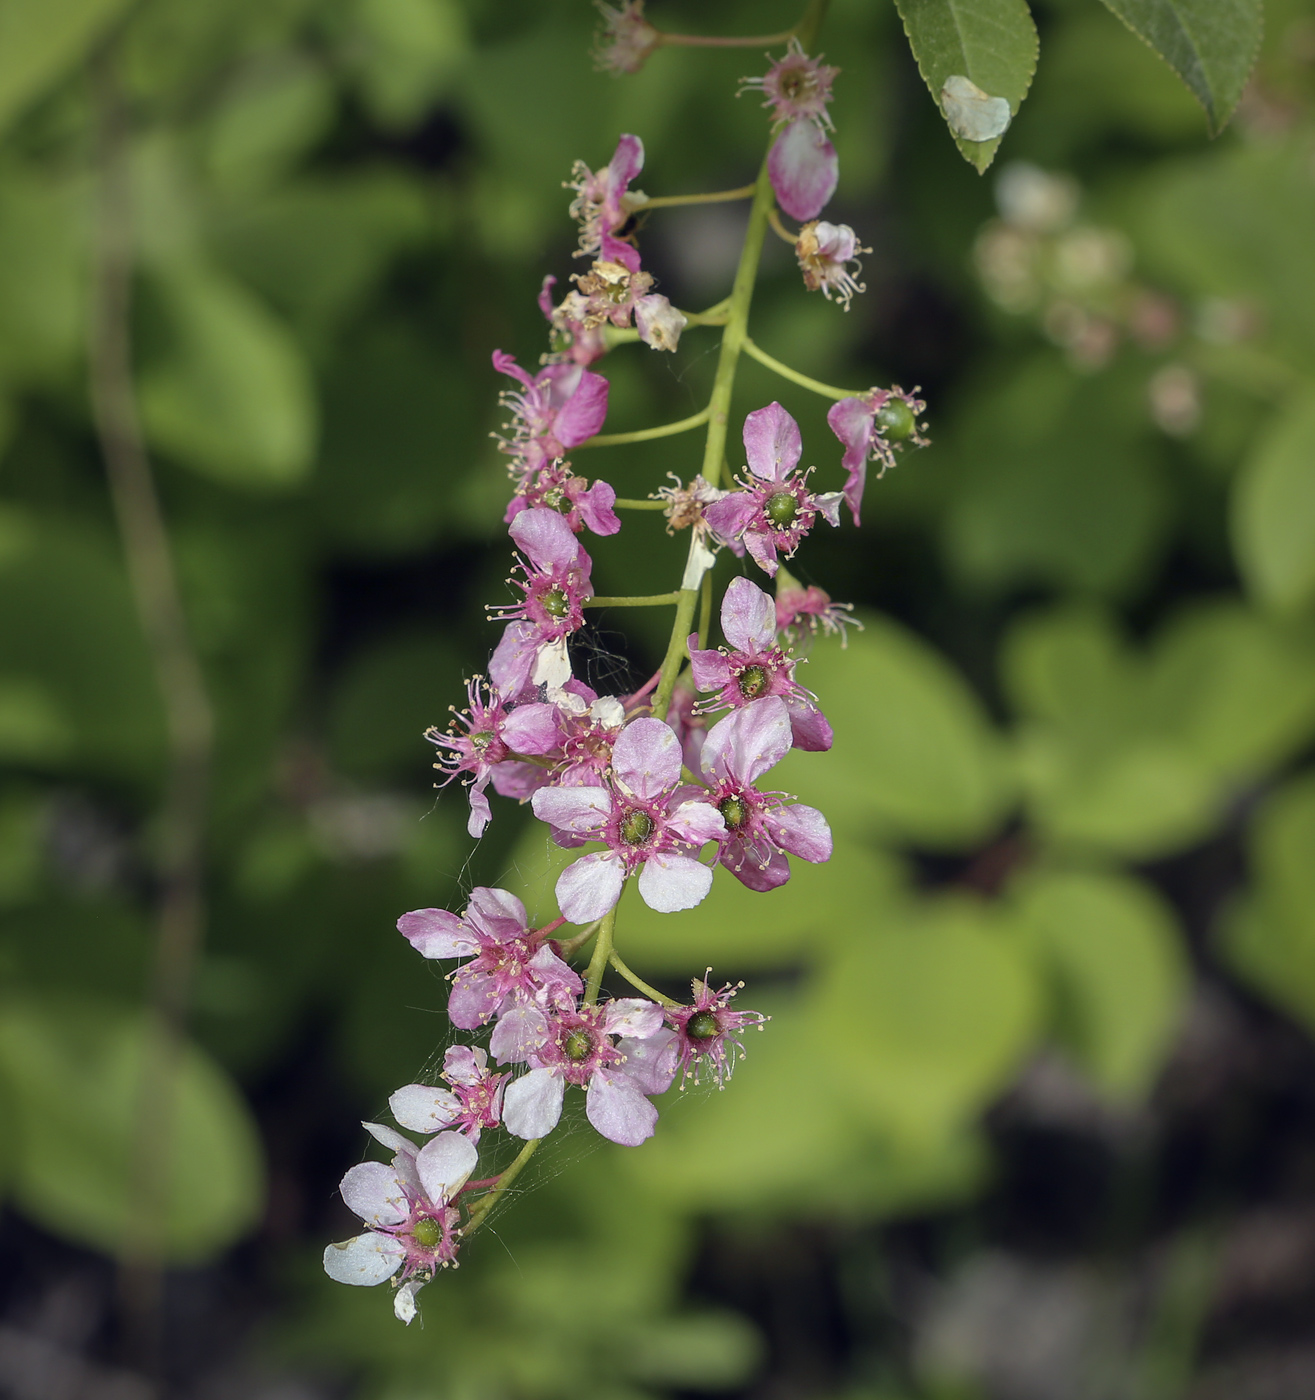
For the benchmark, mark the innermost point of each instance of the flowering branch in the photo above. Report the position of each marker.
(664, 201)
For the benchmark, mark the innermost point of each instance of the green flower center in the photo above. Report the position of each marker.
(781, 508)
(734, 812)
(753, 682)
(482, 739)
(702, 1026)
(555, 603)
(636, 827)
(426, 1232)
(578, 1045)
(894, 420)
(558, 500)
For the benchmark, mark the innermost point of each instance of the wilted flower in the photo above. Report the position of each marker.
(872, 426)
(824, 252)
(796, 87)
(801, 611)
(708, 1032)
(658, 322)
(626, 38)
(581, 505)
(554, 411)
(603, 201)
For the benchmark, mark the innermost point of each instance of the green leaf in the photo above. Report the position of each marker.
(1273, 511)
(41, 40)
(1118, 968)
(915, 756)
(1211, 45)
(1269, 937)
(232, 397)
(992, 43)
(72, 1069)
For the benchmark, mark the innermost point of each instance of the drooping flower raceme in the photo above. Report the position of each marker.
(647, 821)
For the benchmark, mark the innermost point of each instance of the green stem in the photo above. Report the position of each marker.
(640, 505)
(704, 41)
(675, 657)
(695, 420)
(602, 951)
(827, 391)
(666, 201)
(567, 946)
(780, 230)
(639, 982)
(480, 1212)
(733, 340)
(651, 600)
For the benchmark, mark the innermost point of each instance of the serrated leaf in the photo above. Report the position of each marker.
(992, 43)
(1273, 511)
(1118, 970)
(1211, 45)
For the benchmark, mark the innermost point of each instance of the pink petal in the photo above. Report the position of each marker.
(518, 1034)
(772, 442)
(597, 509)
(627, 161)
(589, 887)
(532, 729)
(748, 616)
(553, 972)
(710, 669)
(497, 913)
(750, 870)
(804, 170)
(669, 883)
(473, 1000)
(584, 412)
(728, 517)
(810, 727)
(465, 1064)
(632, 1016)
(761, 544)
(803, 831)
(582, 811)
(749, 741)
(545, 539)
(618, 1110)
(828, 506)
(513, 660)
(532, 1105)
(506, 364)
(480, 811)
(437, 933)
(696, 822)
(646, 757)
(445, 1163)
(851, 422)
(650, 1063)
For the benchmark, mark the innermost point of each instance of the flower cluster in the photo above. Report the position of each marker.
(660, 785)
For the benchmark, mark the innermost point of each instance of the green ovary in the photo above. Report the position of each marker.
(636, 827)
(734, 812)
(555, 603)
(578, 1045)
(894, 420)
(781, 509)
(426, 1232)
(702, 1026)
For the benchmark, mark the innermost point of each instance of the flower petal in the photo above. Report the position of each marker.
(518, 1034)
(710, 669)
(749, 741)
(437, 933)
(748, 616)
(761, 544)
(583, 413)
(650, 1064)
(364, 1260)
(696, 821)
(810, 727)
(646, 757)
(804, 170)
(670, 883)
(545, 538)
(583, 811)
(445, 1163)
(615, 1106)
(803, 831)
(772, 442)
(404, 1300)
(532, 1104)
(532, 729)
(373, 1191)
(632, 1016)
(589, 887)
(729, 517)
(423, 1108)
(752, 868)
(465, 1064)
(391, 1139)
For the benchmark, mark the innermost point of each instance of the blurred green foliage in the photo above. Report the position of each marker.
(1088, 641)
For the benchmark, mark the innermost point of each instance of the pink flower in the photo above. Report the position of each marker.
(804, 612)
(646, 821)
(761, 827)
(493, 733)
(754, 667)
(796, 87)
(610, 289)
(872, 426)
(602, 202)
(572, 341)
(775, 508)
(472, 1104)
(626, 38)
(510, 963)
(620, 1051)
(804, 170)
(558, 409)
(824, 252)
(409, 1209)
(556, 583)
(708, 1032)
(555, 487)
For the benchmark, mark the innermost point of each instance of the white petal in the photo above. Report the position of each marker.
(373, 1191)
(445, 1164)
(633, 1016)
(532, 1104)
(518, 1034)
(672, 883)
(364, 1260)
(424, 1109)
(390, 1137)
(589, 887)
(404, 1300)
